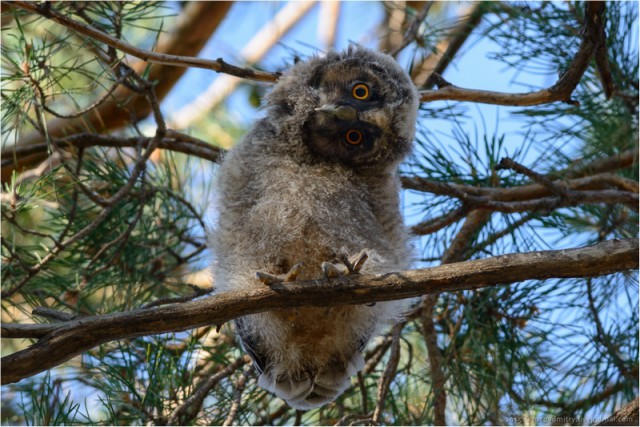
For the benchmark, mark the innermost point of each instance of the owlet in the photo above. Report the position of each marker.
(309, 191)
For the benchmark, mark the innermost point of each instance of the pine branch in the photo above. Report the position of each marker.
(75, 336)
(218, 65)
(560, 91)
(188, 410)
(189, 34)
(548, 194)
(174, 141)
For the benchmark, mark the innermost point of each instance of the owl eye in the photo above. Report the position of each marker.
(360, 91)
(354, 137)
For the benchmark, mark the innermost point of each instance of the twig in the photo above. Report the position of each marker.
(174, 141)
(494, 237)
(374, 357)
(237, 396)
(526, 198)
(618, 161)
(602, 338)
(454, 253)
(74, 337)
(273, 416)
(517, 193)
(198, 292)
(363, 393)
(388, 374)
(16, 330)
(601, 57)
(428, 227)
(557, 187)
(467, 234)
(438, 377)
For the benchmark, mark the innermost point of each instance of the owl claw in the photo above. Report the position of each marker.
(290, 276)
(268, 279)
(331, 270)
(357, 265)
(347, 268)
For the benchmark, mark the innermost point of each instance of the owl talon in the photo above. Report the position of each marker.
(357, 265)
(331, 270)
(347, 268)
(290, 276)
(293, 273)
(268, 279)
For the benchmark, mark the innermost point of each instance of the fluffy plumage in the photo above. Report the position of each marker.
(313, 181)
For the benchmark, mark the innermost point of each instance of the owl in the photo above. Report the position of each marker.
(311, 192)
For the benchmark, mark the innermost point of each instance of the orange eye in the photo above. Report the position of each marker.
(354, 137)
(360, 91)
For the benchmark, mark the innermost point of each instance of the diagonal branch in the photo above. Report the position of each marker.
(75, 336)
(217, 65)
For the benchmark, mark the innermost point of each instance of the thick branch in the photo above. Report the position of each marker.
(625, 416)
(72, 338)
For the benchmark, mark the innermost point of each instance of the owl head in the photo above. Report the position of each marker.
(357, 107)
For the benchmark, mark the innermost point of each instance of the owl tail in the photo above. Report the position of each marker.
(312, 392)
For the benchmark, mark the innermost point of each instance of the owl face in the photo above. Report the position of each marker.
(357, 108)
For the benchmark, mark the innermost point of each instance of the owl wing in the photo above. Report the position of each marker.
(250, 345)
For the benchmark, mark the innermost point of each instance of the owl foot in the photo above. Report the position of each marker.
(346, 268)
(290, 276)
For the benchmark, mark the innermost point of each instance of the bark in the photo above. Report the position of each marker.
(625, 416)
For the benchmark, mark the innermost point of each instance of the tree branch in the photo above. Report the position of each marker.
(560, 91)
(73, 337)
(174, 141)
(218, 65)
(625, 416)
(187, 36)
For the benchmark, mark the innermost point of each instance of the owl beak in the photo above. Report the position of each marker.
(342, 112)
